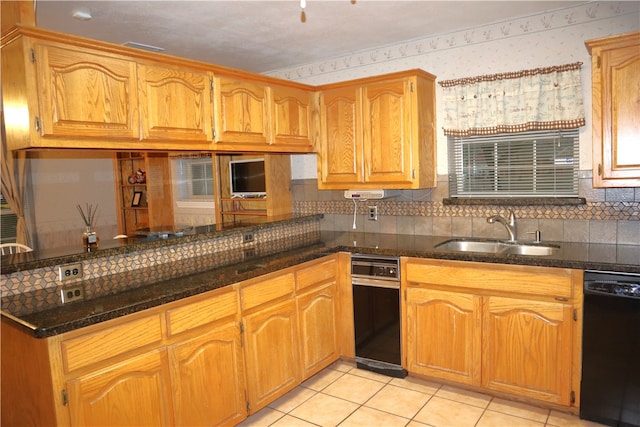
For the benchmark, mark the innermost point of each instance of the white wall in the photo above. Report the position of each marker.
(546, 39)
(63, 179)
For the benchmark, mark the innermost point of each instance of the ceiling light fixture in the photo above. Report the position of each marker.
(303, 4)
(82, 15)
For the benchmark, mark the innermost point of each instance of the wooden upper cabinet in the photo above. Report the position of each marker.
(86, 94)
(378, 132)
(386, 115)
(340, 158)
(62, 91)
(255, 116)
(291, 114)
(616, 110)
(241, 113)
(175, 104)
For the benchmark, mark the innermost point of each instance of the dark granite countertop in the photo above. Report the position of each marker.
(581, 256)
(76, 315)
(620, 258)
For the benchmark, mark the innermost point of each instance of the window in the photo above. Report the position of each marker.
(526, 164)
(193, 180)
(200, 181)
(8, 222)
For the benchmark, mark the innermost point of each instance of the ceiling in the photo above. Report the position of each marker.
(263, 36)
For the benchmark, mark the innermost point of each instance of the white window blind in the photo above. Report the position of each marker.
(525, 164)
(193, 184)
(201, 179)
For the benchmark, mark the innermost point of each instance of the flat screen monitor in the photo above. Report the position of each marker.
(247, 178)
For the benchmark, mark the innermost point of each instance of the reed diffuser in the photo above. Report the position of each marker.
(89, 237)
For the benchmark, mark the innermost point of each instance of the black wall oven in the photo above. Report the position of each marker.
(376, 312)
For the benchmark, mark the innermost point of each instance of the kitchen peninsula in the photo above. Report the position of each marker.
(305, 265)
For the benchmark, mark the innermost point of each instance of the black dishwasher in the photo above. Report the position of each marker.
(376, 313)
(610, 386)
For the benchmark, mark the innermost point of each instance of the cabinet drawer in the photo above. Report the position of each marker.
(109, 342)
(259, 291)
(193, 315)
(543, 281)
(318, 272)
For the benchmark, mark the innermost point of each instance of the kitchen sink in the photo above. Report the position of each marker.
(497, 247)
(532, 249)
(471, 246)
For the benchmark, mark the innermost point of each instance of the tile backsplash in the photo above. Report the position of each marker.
(609, 216)
(33, 290)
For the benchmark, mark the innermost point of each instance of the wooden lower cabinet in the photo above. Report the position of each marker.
(200, 367)
(317, 316)
(290, 328)
(511, 329)
(271, 353)
(443, 337)
(209, 359)
(133, 392)
(527, 348)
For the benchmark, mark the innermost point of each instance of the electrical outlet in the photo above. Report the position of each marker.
(69, 272)
(72, 293)
(248, 253)
(373, 213)
(247, 238)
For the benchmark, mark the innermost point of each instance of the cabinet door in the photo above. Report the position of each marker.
(241, 114)
(175, 104)
(87, 94)
(271, 353)
(134, 392)
(208, 378)
(159, 190)
(443, 334)
(386, 112)
(317, 311)
(340, 159)
(616, 116)
(527, 348)
(291, 110)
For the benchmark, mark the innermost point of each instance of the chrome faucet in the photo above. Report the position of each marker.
(509, 224)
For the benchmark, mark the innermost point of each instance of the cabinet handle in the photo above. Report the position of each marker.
(36, 124)
(599, 169)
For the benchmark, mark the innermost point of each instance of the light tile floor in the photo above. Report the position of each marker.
(342, 395)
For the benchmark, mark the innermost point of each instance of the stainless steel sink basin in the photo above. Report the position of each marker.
(497, 247)
(532, 249)
(471, 246)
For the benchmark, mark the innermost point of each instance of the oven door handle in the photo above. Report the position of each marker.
(375, 283)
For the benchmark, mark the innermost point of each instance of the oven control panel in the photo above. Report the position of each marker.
(375, 267)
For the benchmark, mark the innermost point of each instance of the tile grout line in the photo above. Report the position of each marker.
(355, 372)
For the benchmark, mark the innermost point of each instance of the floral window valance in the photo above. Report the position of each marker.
(537, 99)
